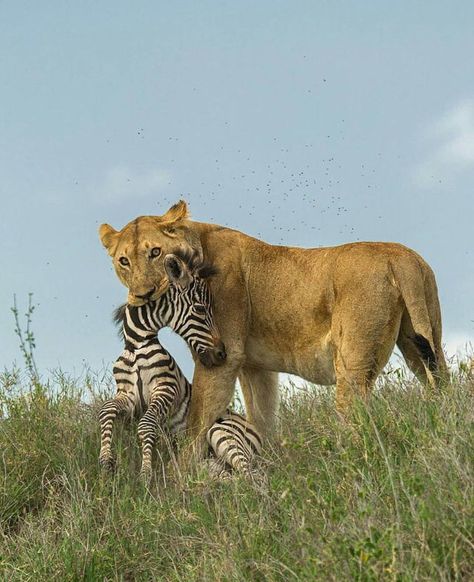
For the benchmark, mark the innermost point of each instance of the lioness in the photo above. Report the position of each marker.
(330, 315)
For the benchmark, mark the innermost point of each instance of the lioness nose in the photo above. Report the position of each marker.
(147, 295)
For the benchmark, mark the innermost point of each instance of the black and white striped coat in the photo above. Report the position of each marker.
(150, 384)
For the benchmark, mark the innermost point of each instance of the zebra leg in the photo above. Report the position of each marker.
(161, 402)
(218, 469)
(235, 442)
(237, 458)
(109, 411)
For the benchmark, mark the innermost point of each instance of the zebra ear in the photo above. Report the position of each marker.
(177, 270)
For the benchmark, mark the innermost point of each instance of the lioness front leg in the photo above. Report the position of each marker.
(261, 397)
(213, 389)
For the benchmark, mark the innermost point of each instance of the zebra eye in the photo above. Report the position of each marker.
(200, 309)
(124, 261)
(155, 252)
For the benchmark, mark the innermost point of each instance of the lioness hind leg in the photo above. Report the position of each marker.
(412, 358)
(429, 367)
(352, 384)
(363, 346)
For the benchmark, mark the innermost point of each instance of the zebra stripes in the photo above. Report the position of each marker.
(150, 384)
(233, 442)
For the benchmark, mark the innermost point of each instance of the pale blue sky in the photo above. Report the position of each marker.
(304, 123)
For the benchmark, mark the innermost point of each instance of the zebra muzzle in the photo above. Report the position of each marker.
(215, 356)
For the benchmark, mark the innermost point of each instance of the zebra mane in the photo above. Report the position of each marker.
(118, 317)
(202, 268)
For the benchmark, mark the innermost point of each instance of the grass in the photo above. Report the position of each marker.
(386, 496)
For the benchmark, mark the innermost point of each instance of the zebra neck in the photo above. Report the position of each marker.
(144, 345)
(141, 324)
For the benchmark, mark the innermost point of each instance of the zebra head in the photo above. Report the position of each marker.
(186, 307)
(189, 306)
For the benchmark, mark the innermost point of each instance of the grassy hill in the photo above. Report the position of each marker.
(386, 496)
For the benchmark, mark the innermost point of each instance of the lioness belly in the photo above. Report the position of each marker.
(313, 362)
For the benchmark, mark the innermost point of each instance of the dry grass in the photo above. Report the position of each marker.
(388, 496)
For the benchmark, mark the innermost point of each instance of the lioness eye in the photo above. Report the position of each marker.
(155, 252)
(124, 261)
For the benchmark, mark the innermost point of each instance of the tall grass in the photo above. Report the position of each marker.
(387, 495)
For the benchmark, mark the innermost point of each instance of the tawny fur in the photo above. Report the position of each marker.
(330, 315)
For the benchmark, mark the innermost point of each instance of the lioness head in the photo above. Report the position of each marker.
(138, 250)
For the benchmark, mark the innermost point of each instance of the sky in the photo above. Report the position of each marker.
(307, 123)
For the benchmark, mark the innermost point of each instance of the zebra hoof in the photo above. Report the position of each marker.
(259, 479)
(107, 464)
(217, 470)
(145, 475)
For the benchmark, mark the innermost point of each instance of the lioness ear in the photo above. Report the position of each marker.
(177, 271)
(178, 211)
(107, 236)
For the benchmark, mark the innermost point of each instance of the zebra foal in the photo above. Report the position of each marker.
(151, 385)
